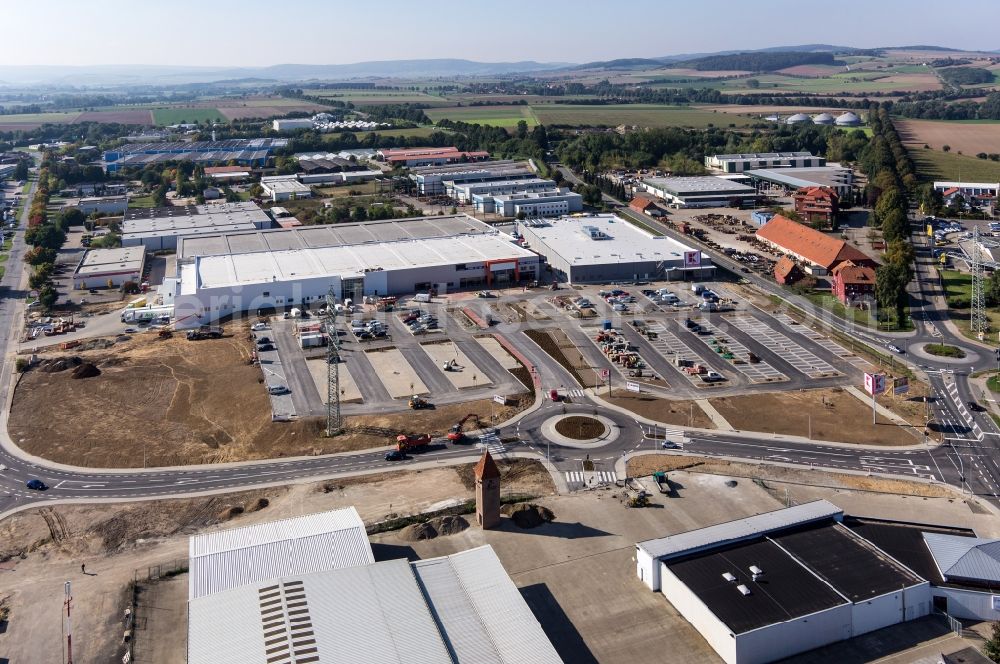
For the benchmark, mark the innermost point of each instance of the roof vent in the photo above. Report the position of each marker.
(743, 590)
(756, 572)
(729, 577)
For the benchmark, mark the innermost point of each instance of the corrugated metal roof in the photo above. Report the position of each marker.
(374, 613)
(732, 531)
(316, 542)
(965, 557)
(509, 621)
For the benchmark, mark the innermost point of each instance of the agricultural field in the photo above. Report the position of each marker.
(938, 165)
(496, 116)
(643, 115)
(415, 132)
(125, 116)
(26, 121)
(967, 136)
(371, 97)
(180, 115)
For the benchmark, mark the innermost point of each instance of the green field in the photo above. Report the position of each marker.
(496, 116)
(170, 116)
(938, 165)
(417, 132)
(643, 115)
(958, 290)
(140, 201)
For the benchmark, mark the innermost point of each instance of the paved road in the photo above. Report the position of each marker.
(968, 459)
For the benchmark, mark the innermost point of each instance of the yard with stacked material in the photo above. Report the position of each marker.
(183, 402)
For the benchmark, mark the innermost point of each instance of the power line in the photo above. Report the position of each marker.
(334, 423)
(980, 323)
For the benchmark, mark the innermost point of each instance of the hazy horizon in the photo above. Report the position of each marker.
(259, 33)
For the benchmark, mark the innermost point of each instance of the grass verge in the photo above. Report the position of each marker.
(944, 350)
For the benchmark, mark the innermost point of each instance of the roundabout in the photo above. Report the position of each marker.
(580, 431)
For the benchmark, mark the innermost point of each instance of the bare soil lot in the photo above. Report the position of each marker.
(188, 403)
(668, 411)
(124, 117)
(564, 351)
(969, 138)
(832, 414)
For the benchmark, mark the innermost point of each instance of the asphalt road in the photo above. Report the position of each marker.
(968, 459)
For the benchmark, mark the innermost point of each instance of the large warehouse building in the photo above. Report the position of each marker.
(308, 589)
(227, 273)
(700, 191)
(428, 156)
(158, 229)
(464, 191)
(100, 267)
(737, 163)
(437, 180)
(786, 180)
(544, 203)
(604, 247)
(773, 585)
(244, 152)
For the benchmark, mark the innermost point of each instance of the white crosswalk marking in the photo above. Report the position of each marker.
(599, 477)
(566, 393)
(491, 442)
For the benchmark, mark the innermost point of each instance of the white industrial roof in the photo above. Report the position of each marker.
(965, 557)
(701, 184)
(831, 175)
(537, 196)
(258, 553)
(99, 261)
(460, 609)
(159, 220)
(621, 242)
(760, 155)
(353, 260)
(283, 184)
(481, 612)
(733, 531)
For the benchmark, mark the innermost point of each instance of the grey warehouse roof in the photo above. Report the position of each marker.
(99, 261)
(733, 531)
(965, 558)
(258, 553)
(460, 609)
(762, 155)
(698, 185)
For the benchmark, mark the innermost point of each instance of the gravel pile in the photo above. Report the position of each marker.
(528, 515)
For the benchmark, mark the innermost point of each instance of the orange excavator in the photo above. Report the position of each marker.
(456, 433)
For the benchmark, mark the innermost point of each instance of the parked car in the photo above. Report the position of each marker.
(263, 340)
(257, 327)
(263, 348)
(277, 389)
(130, 330)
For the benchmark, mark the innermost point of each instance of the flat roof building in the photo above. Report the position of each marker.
(605, 247)
(228, 273)
(113, 205)
(776, 584)
(464, 191)
(737, 163)
(834, 176)
(436, 180)
(100, 267)
(551, 202)
(428, 156)
(699, 191)
(284, 188)
(158, 229)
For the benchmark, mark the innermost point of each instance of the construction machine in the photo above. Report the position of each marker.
(418, 403)
(410, 442)
(456, 434)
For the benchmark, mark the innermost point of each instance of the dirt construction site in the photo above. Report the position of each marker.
(175, 402)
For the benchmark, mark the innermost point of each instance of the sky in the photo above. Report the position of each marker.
(265, 32)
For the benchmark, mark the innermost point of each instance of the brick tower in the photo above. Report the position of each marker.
(487, 492)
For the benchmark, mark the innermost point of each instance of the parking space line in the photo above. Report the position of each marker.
(793, 353)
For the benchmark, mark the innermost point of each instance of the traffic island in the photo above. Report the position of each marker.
(582, 431)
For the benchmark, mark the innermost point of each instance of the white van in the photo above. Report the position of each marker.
(422, 297)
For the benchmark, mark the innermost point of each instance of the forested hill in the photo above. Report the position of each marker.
(759, 61)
